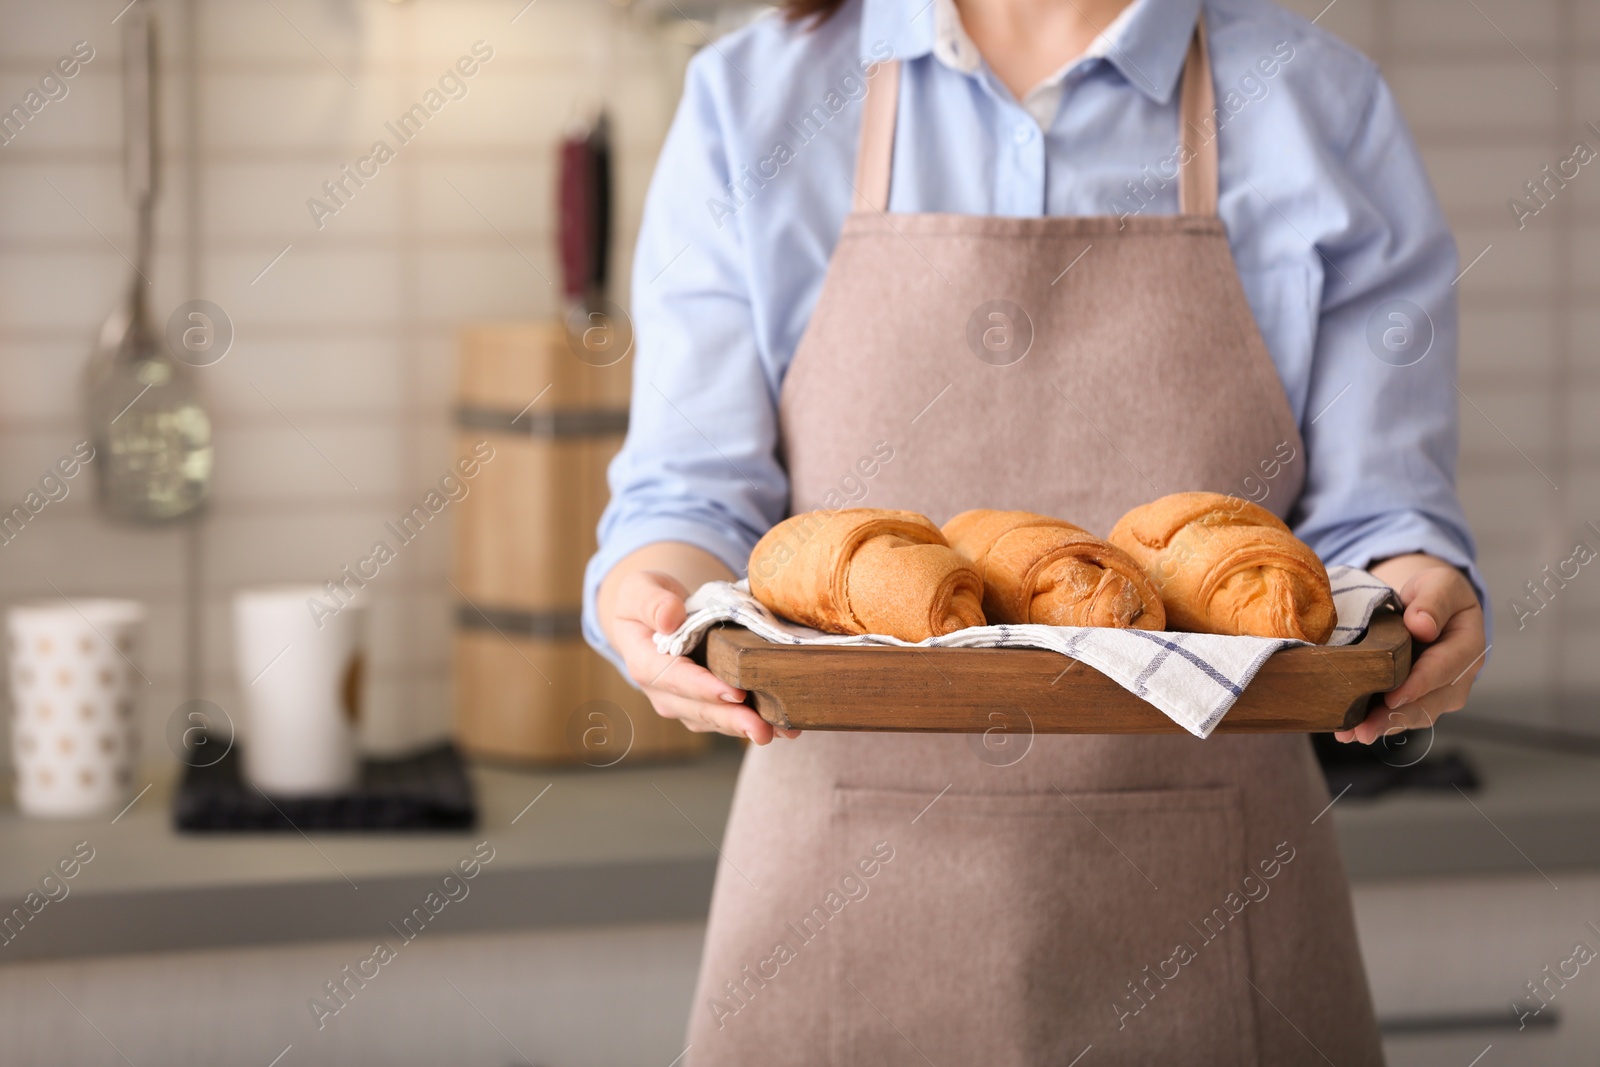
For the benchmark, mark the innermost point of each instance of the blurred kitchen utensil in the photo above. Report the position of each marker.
(302, 679)
(72, 686)
(584, 212)
(600, 195)
(152, 438)
(574, 215)
(598, 331)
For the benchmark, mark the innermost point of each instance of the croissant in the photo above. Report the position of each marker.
(1043, 570)
(1226, 566)
(866, 571)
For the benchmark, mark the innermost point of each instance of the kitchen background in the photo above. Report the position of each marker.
(333, 411)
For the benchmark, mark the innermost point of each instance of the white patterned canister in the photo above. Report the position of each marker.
(73, 680)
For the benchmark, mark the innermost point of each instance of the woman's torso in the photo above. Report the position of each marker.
(964, 146)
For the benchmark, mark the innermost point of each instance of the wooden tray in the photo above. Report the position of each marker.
(958, 690)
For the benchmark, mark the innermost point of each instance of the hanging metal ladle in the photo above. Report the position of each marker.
(152, 438)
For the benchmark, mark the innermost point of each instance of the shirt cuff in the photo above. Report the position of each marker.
(622, 541)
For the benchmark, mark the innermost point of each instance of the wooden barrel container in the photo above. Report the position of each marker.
(527, 687)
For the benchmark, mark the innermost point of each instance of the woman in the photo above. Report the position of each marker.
(1096, 251)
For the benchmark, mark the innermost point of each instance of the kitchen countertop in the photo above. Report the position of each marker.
(571, 847)
(635, 844)
(1536, 811)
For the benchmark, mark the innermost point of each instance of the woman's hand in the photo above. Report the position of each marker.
(1440, 607)
(641, 598)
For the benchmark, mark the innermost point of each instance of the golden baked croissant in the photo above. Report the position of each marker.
(1226, 566)
(866, 571)
(1043, 570)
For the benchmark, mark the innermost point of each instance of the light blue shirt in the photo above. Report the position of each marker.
(1343, 250)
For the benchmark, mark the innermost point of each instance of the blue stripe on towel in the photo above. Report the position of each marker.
(1149, 668)
(1209, 671)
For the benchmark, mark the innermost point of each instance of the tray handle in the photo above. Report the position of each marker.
(728, 668)
(1405, 654)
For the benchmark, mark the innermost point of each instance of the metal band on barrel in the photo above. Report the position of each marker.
(555, 624)
(603, 422)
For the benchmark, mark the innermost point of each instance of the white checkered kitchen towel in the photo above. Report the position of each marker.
(1193, 678)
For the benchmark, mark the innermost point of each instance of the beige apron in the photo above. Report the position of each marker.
(1004, 900)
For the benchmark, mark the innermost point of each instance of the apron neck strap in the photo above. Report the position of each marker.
(1197, 170)
(875, 156)
(1197, 114)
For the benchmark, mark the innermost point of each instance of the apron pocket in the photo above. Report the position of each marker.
(1019, 929)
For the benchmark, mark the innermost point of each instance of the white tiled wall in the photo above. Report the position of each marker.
(351, 334)
(332, 410)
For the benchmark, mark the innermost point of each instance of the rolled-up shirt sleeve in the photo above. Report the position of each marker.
(1380, 421)
(699, 464)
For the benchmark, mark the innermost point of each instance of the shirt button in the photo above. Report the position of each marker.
(1023, 133)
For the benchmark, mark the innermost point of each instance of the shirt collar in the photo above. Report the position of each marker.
(1147, 43)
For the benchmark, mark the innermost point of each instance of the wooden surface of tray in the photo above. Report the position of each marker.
(1301, 689)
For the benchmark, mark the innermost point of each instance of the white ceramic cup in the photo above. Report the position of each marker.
(73, 680)
(301, 673)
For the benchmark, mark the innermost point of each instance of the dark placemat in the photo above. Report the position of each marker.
(426, 791)
(1378, 768)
